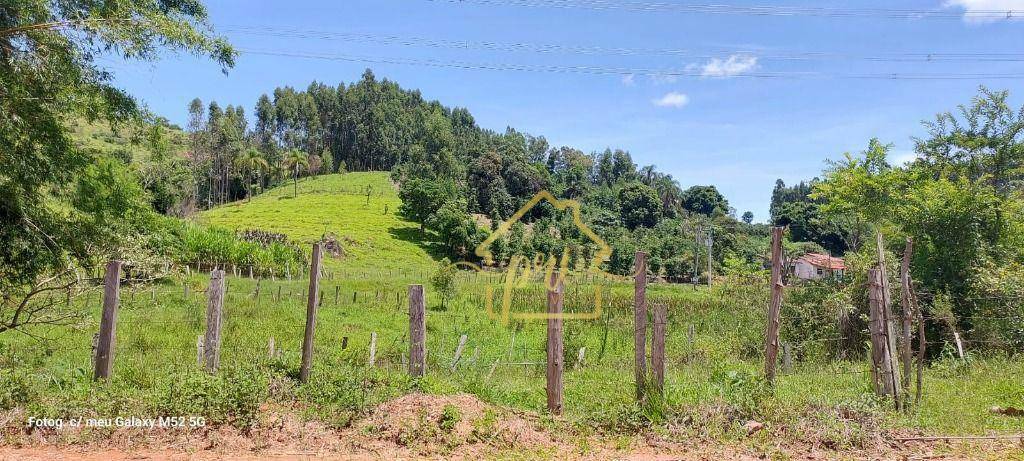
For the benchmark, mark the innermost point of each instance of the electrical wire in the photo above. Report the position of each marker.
(755, 10)
(418, 41)
(602, 70)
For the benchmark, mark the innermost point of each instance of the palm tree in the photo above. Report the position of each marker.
(294, 160)
(250, 160)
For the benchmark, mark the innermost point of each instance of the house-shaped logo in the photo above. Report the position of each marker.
(519, 269)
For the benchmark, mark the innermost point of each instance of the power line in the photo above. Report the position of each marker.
(754, 10)
(418, 41)
(622, 71)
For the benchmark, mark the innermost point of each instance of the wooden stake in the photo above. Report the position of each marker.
(884, 367)
(199, 350)
(640, 322)
(270, 348)
(787, 358)
(458, 352)
(580, 356)
(771, 348)
(417, 332)
(214, 318)
(888, 327)
(108, 321)
(660, 317)
(555, 355)
(373, 348)
(311, 306)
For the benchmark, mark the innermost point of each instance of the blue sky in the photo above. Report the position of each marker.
(742, 114)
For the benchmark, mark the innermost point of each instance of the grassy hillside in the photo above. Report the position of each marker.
(372, 234)
(128, 142)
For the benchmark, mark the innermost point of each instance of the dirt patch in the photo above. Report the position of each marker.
(433, 424)
(421, 426)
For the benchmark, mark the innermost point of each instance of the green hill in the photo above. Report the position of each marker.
(372, 234)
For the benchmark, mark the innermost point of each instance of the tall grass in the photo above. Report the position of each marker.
(208, 245)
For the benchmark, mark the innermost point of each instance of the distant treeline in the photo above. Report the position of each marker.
(456, 177)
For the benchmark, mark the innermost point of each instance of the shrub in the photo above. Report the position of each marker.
(741, 389)
(15, 389)
(231, 397)
(450, 416)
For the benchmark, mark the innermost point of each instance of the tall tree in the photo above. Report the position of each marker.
(48, 74)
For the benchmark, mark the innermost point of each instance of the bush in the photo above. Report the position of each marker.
(743, 390)
(997, 320)
(15, 389)
(231, 397)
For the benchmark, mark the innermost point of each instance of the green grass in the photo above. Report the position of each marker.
(713, 382)
(374, 236)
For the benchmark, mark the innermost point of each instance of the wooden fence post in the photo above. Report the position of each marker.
(771, 348)
(906, 302)
(555, 353)
(640, 322)
(417, 331)
(311, 306)
(214, 318)
(660, 318)
(883, 366)
(888, 327)
(108, 321)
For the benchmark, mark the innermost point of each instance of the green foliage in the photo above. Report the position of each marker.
(705, 200)
(456, 230)
(640, 205)
(16, 389)
(450, 416)
(745, 391)
(421, 198)
(444, 281)
(54, 77)
(233, 396)
(998, 314)
(190, 243)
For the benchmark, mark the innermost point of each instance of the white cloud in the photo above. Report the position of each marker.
(733, 65)
(672, 99)
(900, 158)
(987, 10)
(628, 79)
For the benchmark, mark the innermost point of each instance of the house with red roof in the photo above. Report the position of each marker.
(814, 266)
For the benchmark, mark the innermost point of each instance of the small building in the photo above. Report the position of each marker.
(814, 266)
